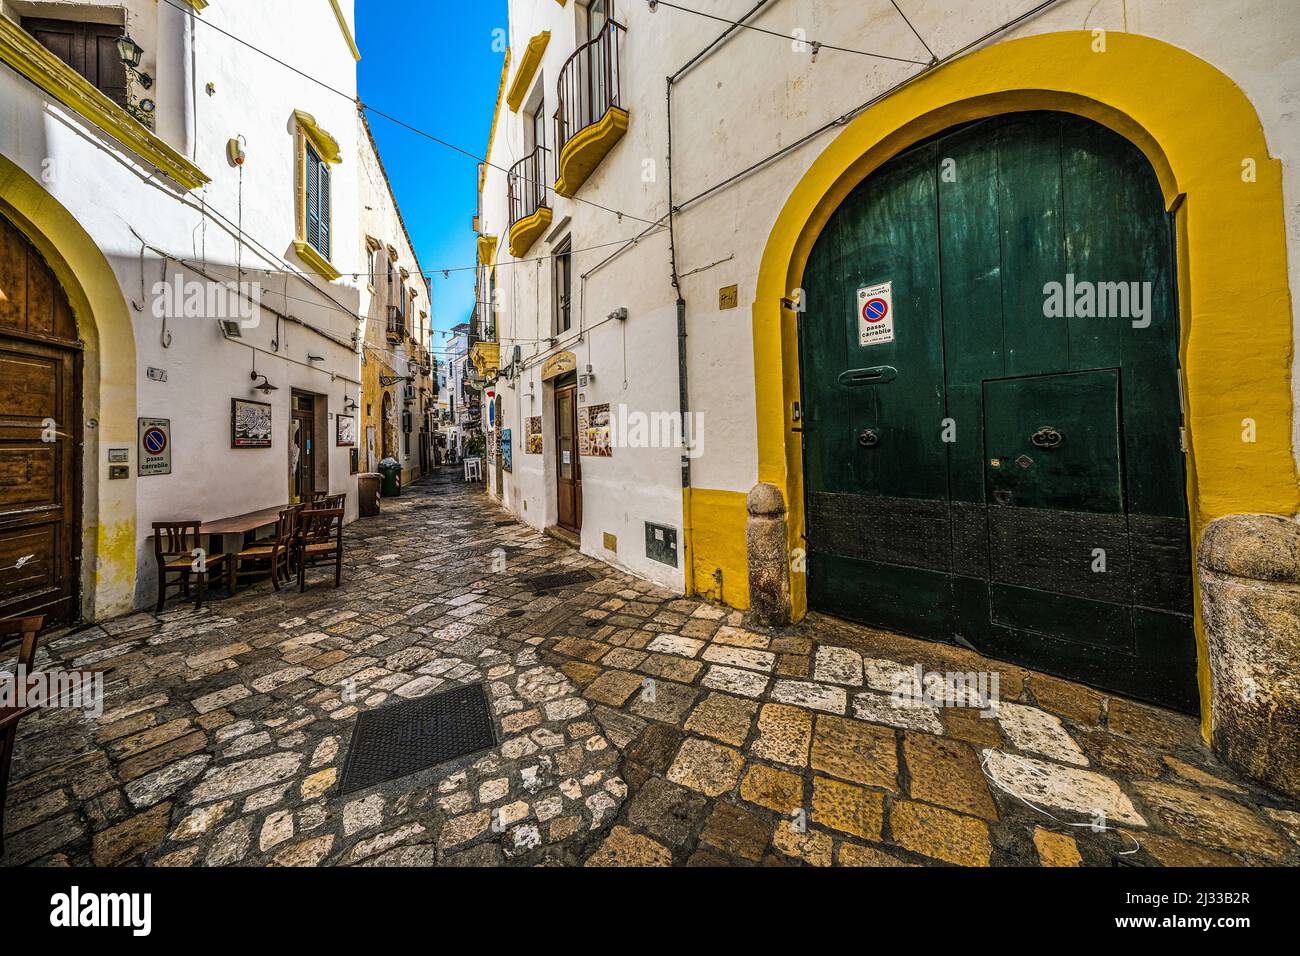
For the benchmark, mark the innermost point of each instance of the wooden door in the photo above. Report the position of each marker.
(40, 438)
(89, 48)
(1000, 473)
(302, 449)
(568, 465)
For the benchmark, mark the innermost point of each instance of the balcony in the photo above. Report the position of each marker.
(396, 328)
(591, 118)
(526, 193)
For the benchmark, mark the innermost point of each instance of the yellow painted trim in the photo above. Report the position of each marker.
(308, 254)
(325, 144)
(487, 250)
(528, 64)
(347, 30)
(496, 116)
(199, 5)
(525, 232)
(104, 324)
(584, 151)
(1232, 249)
(20, 50)
(717, 548)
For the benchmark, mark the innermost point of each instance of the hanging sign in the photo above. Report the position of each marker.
(876, 314)
(155, 446)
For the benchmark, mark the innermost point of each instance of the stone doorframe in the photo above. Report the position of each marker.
(1230, 233)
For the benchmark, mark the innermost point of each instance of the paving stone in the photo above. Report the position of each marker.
(947, 772)
(624, 848)
(1037, 732)
(666, 811)
(1170, 851)
(737, 830)
(775, 789)
(671, 668)
(663, 700)
(276, 829)
(164, 783)
(612, 687)
(806, 694)
(740, 637)
(740, 657)
(850, 750)
(705, 766)
(848, 808)
(131, 838)
(1201, 778)
(853, 854)
(901, 712)
(723, 717)
(675, 644)
(732, 680)
(1065, 788)
(1211, 820)
(811, 846)
(232, 843)
(837, 665)
(1065, 699)
(307, 853)
(940, 834)
(1056, 849)
(1152, 725)
(1119, 754)
(226, 781)
(784, 734)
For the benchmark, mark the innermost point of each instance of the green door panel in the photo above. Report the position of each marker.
(1021, 488)
(1053, 441)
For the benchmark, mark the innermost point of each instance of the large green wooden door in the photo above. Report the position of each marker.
(1004, 470)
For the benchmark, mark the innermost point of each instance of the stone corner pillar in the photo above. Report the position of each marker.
(769, 556)
(1250, 598)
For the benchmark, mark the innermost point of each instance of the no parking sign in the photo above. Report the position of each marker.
(155, 446)
(876, 314)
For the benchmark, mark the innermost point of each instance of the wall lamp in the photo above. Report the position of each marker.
(131, 53)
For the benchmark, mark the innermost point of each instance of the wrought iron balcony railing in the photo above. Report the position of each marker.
(589, 84)
(526, 185)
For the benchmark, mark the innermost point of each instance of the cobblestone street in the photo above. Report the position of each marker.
(638, 728)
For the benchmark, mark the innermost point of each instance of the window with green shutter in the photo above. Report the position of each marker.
(318, 203)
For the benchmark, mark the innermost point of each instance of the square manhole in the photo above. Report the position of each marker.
(401, 739)
(562, 579)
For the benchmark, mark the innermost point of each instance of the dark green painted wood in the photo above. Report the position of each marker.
(971, 227)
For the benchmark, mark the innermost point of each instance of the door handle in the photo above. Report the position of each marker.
(1047, 437)
(869, 438)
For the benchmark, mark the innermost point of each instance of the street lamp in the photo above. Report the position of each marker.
(131, 53)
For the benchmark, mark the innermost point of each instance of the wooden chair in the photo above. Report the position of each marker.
(320, 541)
(26, 629)
(174, 543)
(329, 503)
(277, 553)
(318, 496)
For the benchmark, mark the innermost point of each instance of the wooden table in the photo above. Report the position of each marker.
(242, 525)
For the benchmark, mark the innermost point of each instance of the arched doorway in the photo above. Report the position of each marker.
(40, 437)
(387, 428)
(991, 408)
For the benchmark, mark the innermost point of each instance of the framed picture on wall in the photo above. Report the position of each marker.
(347, 430)
(250, 424)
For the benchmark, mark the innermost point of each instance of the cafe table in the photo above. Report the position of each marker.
(241, 525)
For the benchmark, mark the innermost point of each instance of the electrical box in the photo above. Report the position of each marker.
(661, 543)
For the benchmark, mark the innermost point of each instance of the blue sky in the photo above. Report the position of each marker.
(431, 64)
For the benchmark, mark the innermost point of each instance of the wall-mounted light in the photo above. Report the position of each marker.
(131, 54)
(619, 314)
(315, 358)
(348, 404)
(264, 386)
(231, 328)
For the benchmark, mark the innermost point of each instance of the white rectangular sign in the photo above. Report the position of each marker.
(876, 314)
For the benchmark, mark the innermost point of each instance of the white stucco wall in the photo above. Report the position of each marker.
(111, 192)
(751, 96)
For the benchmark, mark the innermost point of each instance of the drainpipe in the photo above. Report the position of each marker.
(683, 391)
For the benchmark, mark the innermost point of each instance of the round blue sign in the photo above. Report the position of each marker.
(155, 441)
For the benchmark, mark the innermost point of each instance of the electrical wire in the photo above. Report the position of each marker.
(193, 15)
(815, 45)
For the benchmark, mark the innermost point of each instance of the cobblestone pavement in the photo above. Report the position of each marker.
(638, 728)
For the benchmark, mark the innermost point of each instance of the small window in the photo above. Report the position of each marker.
(318, 203)
(564, 287)
(89, 48)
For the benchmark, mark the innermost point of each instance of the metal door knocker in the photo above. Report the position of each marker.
(1047, 437)
(869, 438)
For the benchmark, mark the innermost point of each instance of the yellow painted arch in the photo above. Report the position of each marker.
(1225, 190)
(108, 514)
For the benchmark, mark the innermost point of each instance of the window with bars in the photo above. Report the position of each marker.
(318, 203)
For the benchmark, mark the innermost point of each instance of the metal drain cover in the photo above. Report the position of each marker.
(563, 579)
(400, 739)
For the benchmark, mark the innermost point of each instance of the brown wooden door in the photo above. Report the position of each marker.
(568, 466)
(40, 438)
(89, 48)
